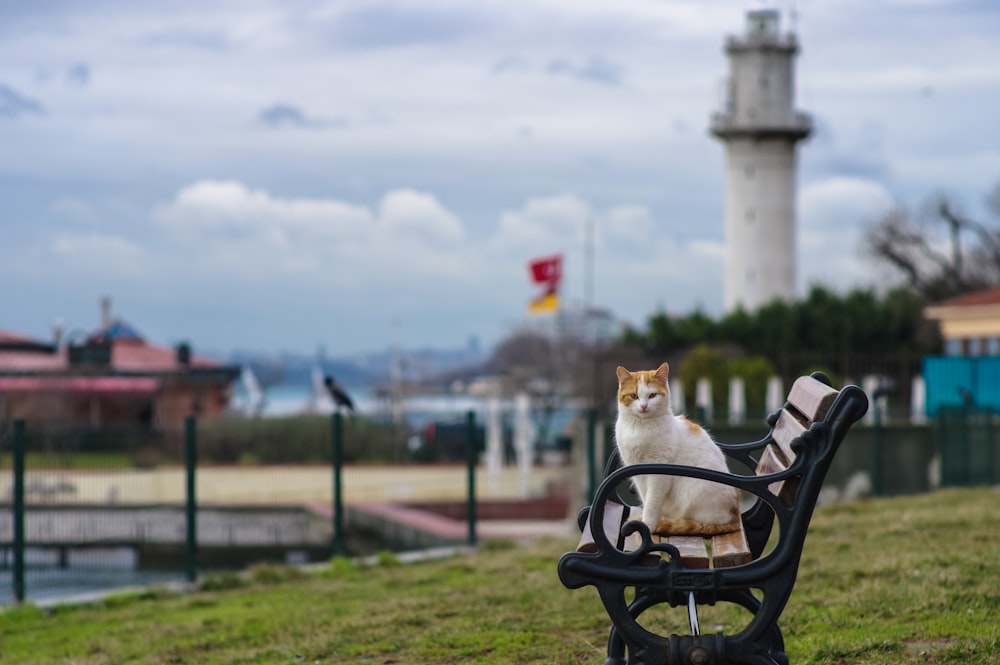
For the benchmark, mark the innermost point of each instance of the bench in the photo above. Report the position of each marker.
(634, 571)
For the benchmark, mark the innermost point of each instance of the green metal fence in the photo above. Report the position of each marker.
(68, 525)
(966, 438)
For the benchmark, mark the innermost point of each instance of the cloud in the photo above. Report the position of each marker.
(99, 245)
(83, 257)
(545, 224)
(229, 209)
(202, 39)
(640, 264)
(420, 215)
(833, 215)
(13, 104)
(285, 115)
(475, 136)
(390, 25)
(509, 63)
(596, 70)
(74, 209)
(410, 248)
(409, 234)
(78, 74)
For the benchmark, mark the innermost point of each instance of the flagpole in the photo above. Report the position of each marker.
(588, 262)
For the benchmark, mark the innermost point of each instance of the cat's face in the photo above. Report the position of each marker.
(644, 393)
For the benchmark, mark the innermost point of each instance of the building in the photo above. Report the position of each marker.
(970, 323)
(111, 377)
(760, 129)
(967, 375)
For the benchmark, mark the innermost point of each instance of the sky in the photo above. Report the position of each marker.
(280, 175)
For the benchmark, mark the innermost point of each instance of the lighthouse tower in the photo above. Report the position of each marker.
(760, 129)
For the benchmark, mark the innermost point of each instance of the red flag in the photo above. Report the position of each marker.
(546, 272)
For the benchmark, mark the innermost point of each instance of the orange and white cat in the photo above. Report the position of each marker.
(647, 431)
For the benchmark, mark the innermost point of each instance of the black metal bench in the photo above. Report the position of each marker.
(634, 571)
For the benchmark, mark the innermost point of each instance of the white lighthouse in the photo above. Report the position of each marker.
(760, 129)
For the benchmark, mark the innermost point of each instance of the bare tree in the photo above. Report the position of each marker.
(941, 251)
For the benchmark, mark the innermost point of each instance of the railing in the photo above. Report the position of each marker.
(175, 521)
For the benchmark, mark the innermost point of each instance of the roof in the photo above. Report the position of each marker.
(16, 341)
(103, 385)
(130, 353)
(974, 299)
(120, 329)
(7, 336)
(16, 360)
(131, 356)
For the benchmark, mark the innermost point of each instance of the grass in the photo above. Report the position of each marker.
(902, 580)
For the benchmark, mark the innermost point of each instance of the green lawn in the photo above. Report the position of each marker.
(902, 580)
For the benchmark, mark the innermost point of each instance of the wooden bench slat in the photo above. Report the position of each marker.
(770, 462)
(811, 397)
(730, 549)
(634, 541)
(613, 513)
(694, 554)
(787, 429)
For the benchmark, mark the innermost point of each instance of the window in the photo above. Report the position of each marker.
(992, 346)
(953, 347)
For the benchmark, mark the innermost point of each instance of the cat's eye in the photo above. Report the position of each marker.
(652, 395)
(634, 396)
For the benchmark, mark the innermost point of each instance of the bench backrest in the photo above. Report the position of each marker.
(809, 400)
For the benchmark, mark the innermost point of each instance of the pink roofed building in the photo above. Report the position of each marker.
(111, 377)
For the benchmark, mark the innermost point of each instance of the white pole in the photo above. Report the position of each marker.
(918, 401)
(677, 396)
(737, 401)
(775, 396)
(703, 397)
(494, 443)
(523, 435)
(870, 384)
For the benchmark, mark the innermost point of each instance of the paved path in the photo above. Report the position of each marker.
(279, 485)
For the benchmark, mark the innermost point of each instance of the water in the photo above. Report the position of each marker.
(88, 574)
(417, 410)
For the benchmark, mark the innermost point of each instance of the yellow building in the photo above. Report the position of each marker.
(970, 324)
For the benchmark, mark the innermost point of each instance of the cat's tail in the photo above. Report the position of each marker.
(686, 527)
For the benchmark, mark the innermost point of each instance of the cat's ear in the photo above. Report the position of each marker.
(663, 372)
(623, 374)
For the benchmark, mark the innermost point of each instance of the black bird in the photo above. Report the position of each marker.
(340, 398)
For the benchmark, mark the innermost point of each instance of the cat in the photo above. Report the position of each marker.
(647, 431)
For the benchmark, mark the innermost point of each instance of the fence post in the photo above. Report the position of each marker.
(878, 452)
(18, 510)
(470, 453)
(337, 454)
(191, 505)
(591, 453)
